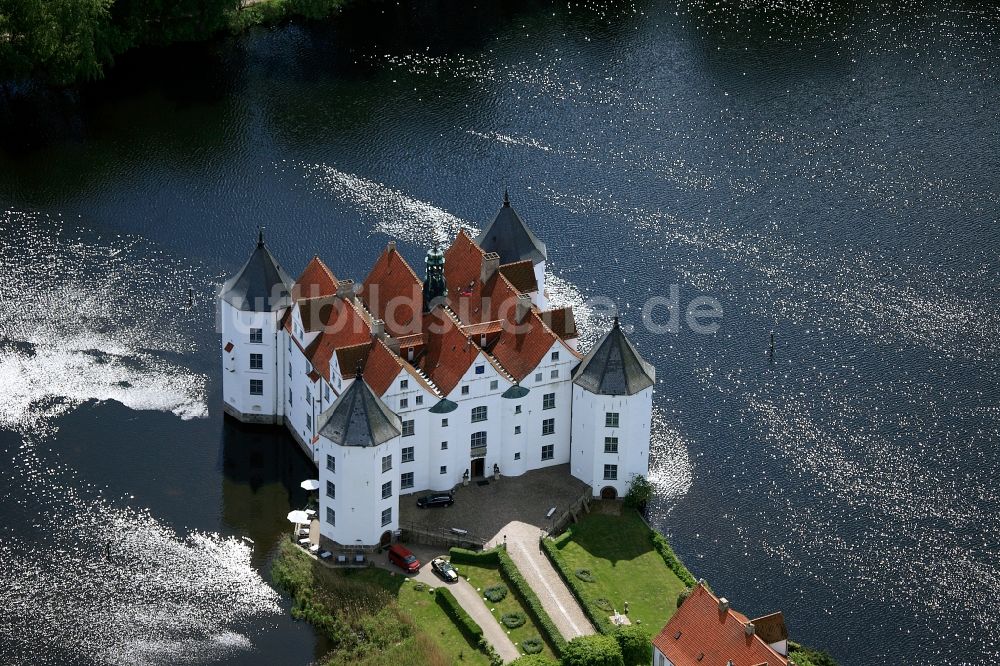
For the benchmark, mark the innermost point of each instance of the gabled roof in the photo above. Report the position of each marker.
(316, 280)
(771, 628)
(614, 367)
(343, 326)
(261, 285)
(448, 353)
(393, 292)
(510, 237)
(521, 274)
(701, 634)
(381, 367)
(561, 321)
(359, 418)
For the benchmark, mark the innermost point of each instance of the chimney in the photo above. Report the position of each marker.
(723, 605)
(391, 247)
(345, 289)
(378, 329)
(491, 262)
(749, 628)
(523, 307)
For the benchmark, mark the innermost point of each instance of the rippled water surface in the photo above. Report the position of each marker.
(827, 171)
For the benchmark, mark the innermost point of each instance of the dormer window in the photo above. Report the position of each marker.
(480, 369)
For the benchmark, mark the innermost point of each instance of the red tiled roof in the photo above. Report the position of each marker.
(381, 368)
(316, 280)
(315, 311)
(771, 628)
(342, 327)
(700, 635)
(393, 292)
(349, 359)
(561, 321)
(521, 275)
(448, 353)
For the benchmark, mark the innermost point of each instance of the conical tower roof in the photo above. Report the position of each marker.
(511, 238)
(261, 285)
(614, 367)
(359, 418)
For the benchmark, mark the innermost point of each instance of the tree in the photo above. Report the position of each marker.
(635, 644)
(596, 650)
(640, 491)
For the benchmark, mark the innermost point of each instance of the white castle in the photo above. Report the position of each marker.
(401, 385)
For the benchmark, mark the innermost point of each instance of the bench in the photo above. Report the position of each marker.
(551, 511)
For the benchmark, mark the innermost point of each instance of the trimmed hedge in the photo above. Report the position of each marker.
(469, 627)
(635, 644)
(534, 660)
(594, 613)
(670, 558)
(516, 581)
(486, 558)
(595, 650)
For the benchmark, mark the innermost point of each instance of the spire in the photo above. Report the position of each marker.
(261, 285)
(614, 367)
(435, 287)
(506, 198)
(510, 237)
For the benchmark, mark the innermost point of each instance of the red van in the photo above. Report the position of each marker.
(403, 558)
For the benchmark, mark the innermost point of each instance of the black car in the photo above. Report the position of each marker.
(443, 568)
(437, 499)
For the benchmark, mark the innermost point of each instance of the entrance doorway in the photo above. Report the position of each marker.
(609, 492)
(386, 539)
(478, 467)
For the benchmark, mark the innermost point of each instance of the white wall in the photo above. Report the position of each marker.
(539, 298)
(236, 325)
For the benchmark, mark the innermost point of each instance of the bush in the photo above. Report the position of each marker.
(682, 597)
(490, 652)
(513, 620)
(533, 659)
(586, 575)
(596, 650)
(671, 559)
(635, 644)
(514, 578)
(469, 628)
(596, 611)
(604, 604)
(487, 558)
(533, 645)
(639, 492)
(495, 593)
(804, 656)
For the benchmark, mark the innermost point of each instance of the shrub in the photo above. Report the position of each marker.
(487, 558)
(586, 575)
(635, 644)
(805, 656)
(533, 645)
(490, 652)
(532, 658)
(495, 593)
(534, 607)
(469, 628)
(671, 559)
(682, 597)
(596, 650)
(639, 492)
(513, 620)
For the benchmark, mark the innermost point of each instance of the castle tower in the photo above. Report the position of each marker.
(435, 288)
(612, 409)
(510, 237)
(359, 461)
(251, 304)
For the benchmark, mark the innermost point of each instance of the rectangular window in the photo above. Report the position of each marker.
(309, 395)
(289, 368)
(444, 446)
(494, 385)
(548, 426)
(331, 463)
(517, 430)
(256, 361)
(444, 423)
(408, 428)
(331, 516)
(611, 472)
(554, 356)
(538, 377)
(517, 456)
(289, 396)
(404, 403)
(420, 400)
(387, 463)
(554, 374)
(386, 516)
(407, 454)
(406, 480)
(611, 420)
(404, 383)
(331, 490)
(549, 401)
(257, 335)
(611, 445)
(444, 469)
(326, 390)
(256, 387)
(386, 490)
(480, 369)
(548, 452)
(478, 414)
(289, 345)
(478, 441)
(309, 422)
(465, 390)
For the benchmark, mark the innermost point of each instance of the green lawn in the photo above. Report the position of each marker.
(400, 620)
(618, 552)
(483, 577)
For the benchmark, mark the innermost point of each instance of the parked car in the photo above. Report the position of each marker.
(402, 557)
(443, 568)
(436, 499)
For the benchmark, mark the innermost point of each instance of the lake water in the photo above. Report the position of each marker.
(827, 172)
